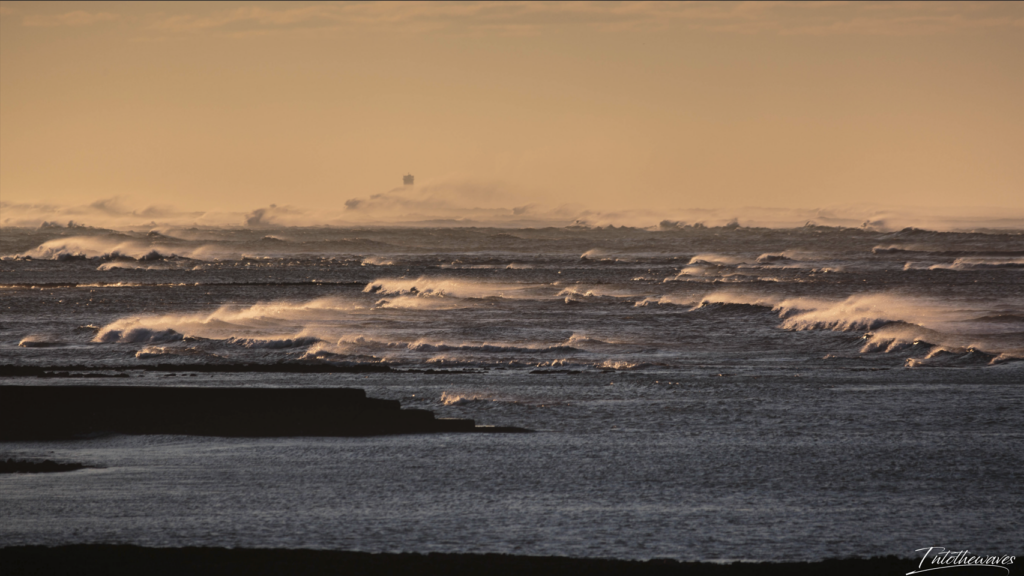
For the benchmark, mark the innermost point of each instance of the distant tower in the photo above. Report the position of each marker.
(408, 179)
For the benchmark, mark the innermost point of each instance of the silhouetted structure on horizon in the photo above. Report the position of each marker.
(408, 179)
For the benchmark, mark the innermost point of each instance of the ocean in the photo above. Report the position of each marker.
(698, 393)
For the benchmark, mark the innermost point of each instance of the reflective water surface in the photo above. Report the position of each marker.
(699, 393)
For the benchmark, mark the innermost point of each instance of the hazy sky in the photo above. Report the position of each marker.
(612, 106)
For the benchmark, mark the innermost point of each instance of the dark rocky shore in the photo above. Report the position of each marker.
(122, 559)
(12, 466)
(123, 371)
(77, 371)
(56, 412)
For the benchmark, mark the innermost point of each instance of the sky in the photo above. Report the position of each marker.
(301, 113)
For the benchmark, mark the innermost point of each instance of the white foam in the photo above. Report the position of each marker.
(136, 335)
(425, 286)
(410, 302)
(158, 351)
(38, 341)
(274, 343)
(459, 266)
(772, 257)
(116, 246)
(152, 352)
(263, 321)
(377, 261)
(897, 322)
(872, 310)
(618, 365)
(487, 347)
(594, 254)
(695, 271)
(451, 399)
(152, 248)
(676, 300)
(578, 340)
(719, 259)
(974, 263)
(577, 292)
(132, 265)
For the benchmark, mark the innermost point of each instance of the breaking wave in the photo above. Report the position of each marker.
(189, 353)
(137, 335)
(488, 348)
(578, 340)
(39, 341)
(717, 259)
(896, 322)
(413, 302)
(376, 261)
(108, 248)
(780, 257)
(980, 264)
(670, 299)
(445, 287)
(453, 399)
(265, 321)
(133, 265)
(273, 343)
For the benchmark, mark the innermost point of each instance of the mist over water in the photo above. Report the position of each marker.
(467, 204)
(692, 385)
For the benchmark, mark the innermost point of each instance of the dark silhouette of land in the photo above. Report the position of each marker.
(82, 371)
(60, 412)
(122, 559)
(12, 466)
(75, 371)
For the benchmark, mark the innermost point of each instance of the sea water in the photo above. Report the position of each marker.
(698, 393)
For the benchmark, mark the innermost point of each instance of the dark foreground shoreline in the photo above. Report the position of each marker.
(66, 412)
(121, 371)
(125, 559)
(12, 466)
